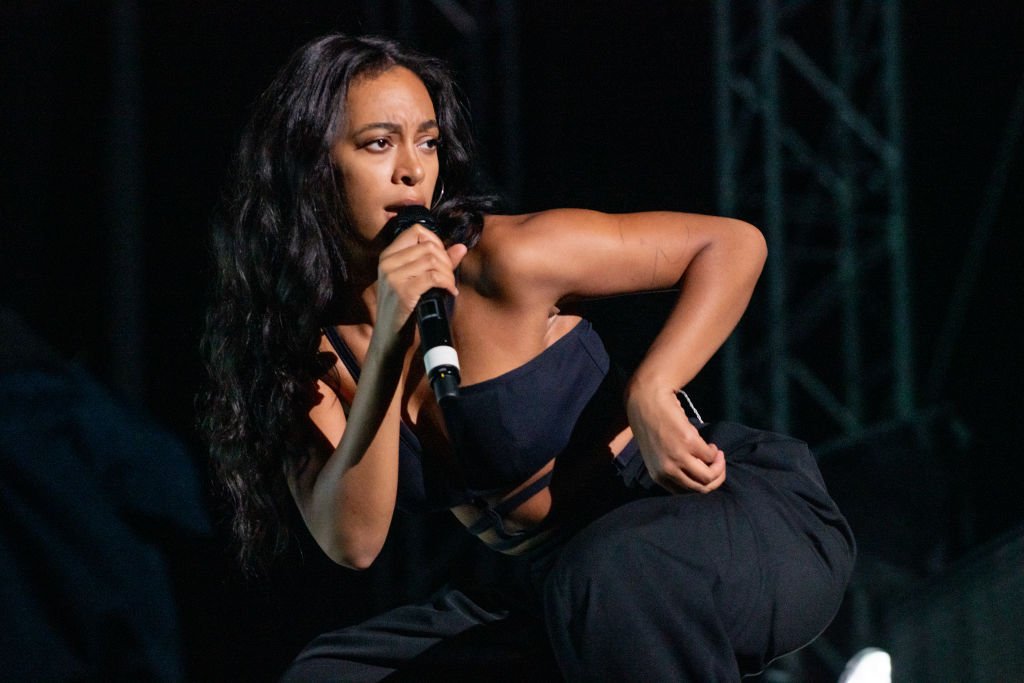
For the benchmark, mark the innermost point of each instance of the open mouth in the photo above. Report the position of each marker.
(393, 209)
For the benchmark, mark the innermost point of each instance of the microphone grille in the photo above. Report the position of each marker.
(407, 217)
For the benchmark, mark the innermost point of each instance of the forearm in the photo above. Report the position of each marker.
(353, 500)
(714, 292)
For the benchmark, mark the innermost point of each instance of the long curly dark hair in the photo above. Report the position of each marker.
(280, 255)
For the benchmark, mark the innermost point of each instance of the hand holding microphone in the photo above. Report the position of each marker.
(439, 355)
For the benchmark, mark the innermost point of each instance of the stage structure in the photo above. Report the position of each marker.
(810, 144)
(810, 147)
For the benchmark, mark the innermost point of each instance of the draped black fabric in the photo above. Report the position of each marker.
(664, 587)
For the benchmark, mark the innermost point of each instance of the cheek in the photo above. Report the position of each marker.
(433, 176)
(354, 171)
(356, 187)
(349, 174)
(362, 199)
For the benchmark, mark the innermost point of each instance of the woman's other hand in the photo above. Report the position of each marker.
(676, 456)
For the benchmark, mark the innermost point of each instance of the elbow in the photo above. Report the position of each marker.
(357, 554)
(358, 559)
(356, 562)
(753, 241)
(746, 247)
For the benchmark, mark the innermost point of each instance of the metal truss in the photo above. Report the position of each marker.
(810, 147)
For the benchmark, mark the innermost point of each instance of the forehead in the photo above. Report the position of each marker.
(393, 96)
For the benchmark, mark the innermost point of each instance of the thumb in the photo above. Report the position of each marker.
(456, 252)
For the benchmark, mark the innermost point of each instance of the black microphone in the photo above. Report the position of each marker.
(439, 356)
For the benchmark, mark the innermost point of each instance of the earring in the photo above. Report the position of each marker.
(440, 195)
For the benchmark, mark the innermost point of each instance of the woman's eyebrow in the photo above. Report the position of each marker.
(390, 127)
(430, 124)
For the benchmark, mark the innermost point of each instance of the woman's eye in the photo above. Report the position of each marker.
(378, 145)
(431, 143)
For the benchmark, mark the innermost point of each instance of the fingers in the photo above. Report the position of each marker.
(416, 270)
(676, 455)
(700, 449)
(691, 464)
(416, 234)
(417, 261)
(686, 472)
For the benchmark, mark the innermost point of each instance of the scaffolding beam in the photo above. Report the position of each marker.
(810, 147)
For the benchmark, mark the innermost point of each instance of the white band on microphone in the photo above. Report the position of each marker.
(439, 356)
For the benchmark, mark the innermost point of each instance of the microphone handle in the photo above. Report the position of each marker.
(439, 355)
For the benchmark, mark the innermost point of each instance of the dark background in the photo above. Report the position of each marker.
(616, 115)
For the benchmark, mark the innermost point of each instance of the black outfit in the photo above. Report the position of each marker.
(640, 585)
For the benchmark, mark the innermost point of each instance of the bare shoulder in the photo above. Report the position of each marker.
(539, 226)
(520, 248)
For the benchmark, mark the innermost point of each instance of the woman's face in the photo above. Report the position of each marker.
(387, 152)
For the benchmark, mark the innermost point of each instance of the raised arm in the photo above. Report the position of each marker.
(714, 261)
(347, 498)
(566, 254)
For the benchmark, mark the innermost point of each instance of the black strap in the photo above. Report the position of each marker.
(344, 353)
(493, 516)
(348, 358)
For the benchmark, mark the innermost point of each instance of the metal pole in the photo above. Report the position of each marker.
(903, 356)
(976, 245)
(731, 362)
(774, 214)
(845, 211)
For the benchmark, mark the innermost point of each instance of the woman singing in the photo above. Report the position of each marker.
(661, 548)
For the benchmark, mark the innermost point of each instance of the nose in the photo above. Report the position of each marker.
(408, 167)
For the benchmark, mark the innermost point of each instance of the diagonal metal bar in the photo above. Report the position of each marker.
(792, 140)
(994, 191)
(803, 153)
(823, 396)
(834, 96)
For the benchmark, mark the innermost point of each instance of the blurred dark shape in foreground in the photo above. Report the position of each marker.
(93, 500)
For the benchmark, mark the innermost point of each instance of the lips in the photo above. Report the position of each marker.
(412, 201)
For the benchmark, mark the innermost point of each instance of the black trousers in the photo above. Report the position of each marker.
(664, 587)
